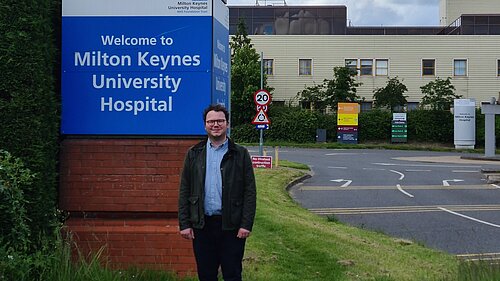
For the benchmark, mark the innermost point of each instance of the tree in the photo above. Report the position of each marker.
(245, 76)
(390, 96)
(439, 94)
(342, 88)
(315, 96)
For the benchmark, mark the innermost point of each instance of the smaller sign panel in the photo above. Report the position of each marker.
(262, 162)
(347, 129)
(261, 118)
(399, 116)
(399, 131)
(347, 138)
(262, 97)
(348, 108)
(262, 127)
(347, 119)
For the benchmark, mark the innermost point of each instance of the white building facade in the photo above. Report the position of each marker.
(301, 45)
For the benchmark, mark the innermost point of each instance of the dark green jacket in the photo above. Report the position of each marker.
(238, 188)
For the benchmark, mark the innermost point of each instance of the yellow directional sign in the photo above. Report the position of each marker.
(347, 119)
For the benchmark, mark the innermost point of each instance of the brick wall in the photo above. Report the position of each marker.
(121, 195)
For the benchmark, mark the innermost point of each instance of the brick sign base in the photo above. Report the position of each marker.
(121, 196)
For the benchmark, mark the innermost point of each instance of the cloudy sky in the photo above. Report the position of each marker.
(374, 12)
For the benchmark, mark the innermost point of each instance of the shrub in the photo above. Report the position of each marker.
(28, 103)
(14, 177)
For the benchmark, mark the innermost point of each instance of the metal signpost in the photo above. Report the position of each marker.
(262, 98)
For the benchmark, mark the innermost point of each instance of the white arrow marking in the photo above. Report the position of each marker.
(497, 186)
(348, 182)
(406, 193)
(446, 182)
(402, 176)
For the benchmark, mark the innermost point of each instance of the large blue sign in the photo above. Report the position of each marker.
(137, 71)
(221, 55)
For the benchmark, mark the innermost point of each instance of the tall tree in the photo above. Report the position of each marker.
(314, 96)
(392, 95)
(342, 88)
(439, 94)
(245, 76)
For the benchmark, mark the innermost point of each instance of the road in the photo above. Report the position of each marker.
(434, 198)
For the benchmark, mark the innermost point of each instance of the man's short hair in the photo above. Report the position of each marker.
(217, 108)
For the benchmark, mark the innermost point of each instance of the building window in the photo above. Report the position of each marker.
(498, 67)
(305, 66)
(381, 67)
(460, 67)
(366, 67)
(352, 64)
(366, 106)
(428, 67)
(268, 66)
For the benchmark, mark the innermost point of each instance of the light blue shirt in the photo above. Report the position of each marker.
(213, 178)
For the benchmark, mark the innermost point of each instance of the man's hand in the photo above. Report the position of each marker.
(187, 233)
(243, 233)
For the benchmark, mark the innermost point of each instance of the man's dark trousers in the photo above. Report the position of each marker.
(214, 247)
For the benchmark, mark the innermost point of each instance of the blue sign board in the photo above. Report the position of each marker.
(135, 69)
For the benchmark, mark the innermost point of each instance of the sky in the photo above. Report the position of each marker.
(373, 12)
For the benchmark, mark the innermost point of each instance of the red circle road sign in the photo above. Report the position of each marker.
(262, 97)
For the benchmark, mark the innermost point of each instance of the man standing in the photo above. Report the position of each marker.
(217, 199)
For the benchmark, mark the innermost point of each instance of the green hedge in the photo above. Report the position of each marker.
(28, 103)
(292, 124)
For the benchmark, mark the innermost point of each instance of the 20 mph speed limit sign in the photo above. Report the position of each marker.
(262, 97)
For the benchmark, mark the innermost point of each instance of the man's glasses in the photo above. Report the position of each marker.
(218, 121)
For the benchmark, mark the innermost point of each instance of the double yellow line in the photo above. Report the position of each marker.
(406, 187)
(403, 209)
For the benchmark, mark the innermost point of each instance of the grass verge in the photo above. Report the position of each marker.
(289, 243)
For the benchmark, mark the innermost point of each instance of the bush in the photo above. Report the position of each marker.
(293, 124)
(14, 177)
(430, 126)
(28, 103)
(374, 125)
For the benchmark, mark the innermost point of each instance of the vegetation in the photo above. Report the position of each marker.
(29, 112)
(293, 125)
(245, 76)
(391, 96)
(341, 88)
(287, 243)
(439, 94)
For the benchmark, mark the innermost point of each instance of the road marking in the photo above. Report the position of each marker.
(374, 169)
(415, 170)
(403, 209)
(402, 176)
(337, 167)
(343, 153)
(348, 182)
(464, 171)
(469, 218)
(426, 165)
(480, 257)
(406, 193)
(446, 182)
(407, 187)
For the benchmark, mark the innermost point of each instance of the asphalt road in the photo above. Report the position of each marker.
(434, 198)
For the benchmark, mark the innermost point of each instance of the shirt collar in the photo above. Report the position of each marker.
(224, 144)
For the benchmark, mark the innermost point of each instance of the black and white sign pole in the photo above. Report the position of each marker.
(261, 139)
